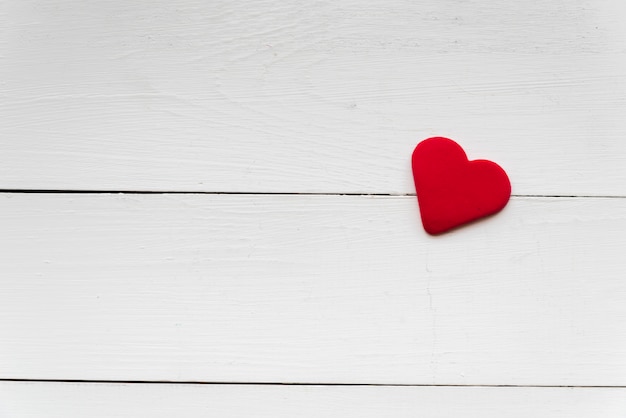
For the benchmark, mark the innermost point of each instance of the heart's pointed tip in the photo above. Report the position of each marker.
(436, 232)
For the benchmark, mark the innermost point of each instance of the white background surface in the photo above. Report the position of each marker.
(277, 100)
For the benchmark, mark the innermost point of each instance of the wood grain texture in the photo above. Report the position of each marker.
(295, 96)
(310, 289)
(56, 400)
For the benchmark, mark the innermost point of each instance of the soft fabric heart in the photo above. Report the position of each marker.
(453, 191)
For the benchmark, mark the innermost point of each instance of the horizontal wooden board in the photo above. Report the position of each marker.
(313, 289)
(61, 400)
(294, 96)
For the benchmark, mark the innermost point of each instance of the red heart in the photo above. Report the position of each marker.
(453, 191)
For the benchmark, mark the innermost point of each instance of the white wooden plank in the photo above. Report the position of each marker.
(294, 96)
(310, 289)
(52, 400)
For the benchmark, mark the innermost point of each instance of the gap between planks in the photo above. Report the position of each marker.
(168, 382)
(157, 192)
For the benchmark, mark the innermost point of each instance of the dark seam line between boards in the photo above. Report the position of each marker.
(165, 382)
(159, 192)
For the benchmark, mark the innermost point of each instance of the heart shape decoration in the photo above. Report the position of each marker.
(453, 191)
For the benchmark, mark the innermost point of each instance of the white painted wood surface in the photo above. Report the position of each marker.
(294, 96)
(53, 400)
(312, 289)
(309, 97)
